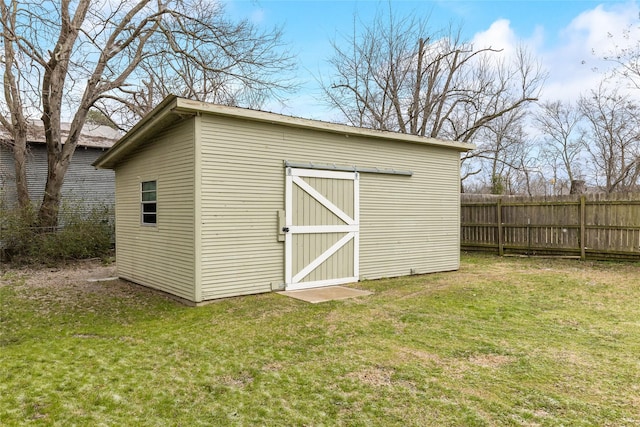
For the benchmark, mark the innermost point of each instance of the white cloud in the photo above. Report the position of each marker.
(599, 29)
(573, 55)
(500, 35)
(574, 61)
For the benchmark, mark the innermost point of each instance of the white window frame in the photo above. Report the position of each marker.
(145, 203)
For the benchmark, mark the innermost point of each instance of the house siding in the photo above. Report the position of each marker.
(161, 256)
(84, 186)
(407, 224)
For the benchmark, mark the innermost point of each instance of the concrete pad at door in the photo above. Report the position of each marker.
(329, 293)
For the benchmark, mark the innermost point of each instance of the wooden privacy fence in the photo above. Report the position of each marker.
(597, 226)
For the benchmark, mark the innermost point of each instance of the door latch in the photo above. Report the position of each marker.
(285, 229)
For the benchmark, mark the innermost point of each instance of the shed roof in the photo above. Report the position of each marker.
(173, 108)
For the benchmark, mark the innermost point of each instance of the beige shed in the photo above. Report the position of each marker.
(215, 201)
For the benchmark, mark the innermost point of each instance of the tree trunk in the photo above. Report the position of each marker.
(578, 186)
(50, 207)
(15, 122)
(20, 163)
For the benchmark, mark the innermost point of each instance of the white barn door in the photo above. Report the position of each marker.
(322, 217)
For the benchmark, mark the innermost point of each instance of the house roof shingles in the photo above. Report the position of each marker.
(93, 136)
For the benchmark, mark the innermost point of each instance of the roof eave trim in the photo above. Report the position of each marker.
(109, 159)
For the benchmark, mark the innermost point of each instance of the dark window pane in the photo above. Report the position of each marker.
(149, 208)
(149, 218)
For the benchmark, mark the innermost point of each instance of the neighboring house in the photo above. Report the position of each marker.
(215, 201)
(83, 185)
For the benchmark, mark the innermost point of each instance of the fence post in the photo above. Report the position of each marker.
(499, 217)
(583, 228)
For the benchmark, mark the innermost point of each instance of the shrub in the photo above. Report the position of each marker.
(16, 234)
(82, 234)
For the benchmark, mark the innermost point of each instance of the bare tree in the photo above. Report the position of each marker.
(562, 138)
(625, 56)
(62, 59)
(503, 155)
(396, 75)
(207, 59)
(612, 138)
(16, 121)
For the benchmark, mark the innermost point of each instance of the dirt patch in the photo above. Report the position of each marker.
(377, 376)
(79, 284)
(238, 381)
(80, 271)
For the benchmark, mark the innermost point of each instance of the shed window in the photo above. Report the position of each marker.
(149, 202)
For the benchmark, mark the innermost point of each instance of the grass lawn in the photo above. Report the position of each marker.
(503, 341)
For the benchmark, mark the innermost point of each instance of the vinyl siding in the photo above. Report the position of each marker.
(161, 256)
(84, 186)
(408, 224)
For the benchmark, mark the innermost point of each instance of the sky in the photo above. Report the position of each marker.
(560, 34)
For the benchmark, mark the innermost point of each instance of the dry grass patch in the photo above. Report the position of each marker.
(376, 376)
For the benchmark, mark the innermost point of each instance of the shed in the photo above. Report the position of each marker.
(215, 201)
